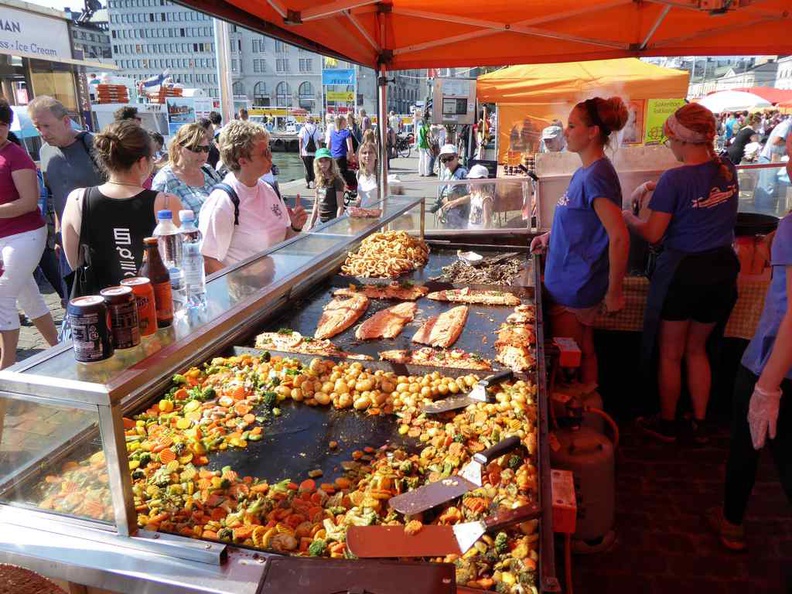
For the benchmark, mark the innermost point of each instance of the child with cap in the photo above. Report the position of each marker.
(480, 200)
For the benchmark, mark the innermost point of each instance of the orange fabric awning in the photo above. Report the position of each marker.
(402, 34)
(552, 83)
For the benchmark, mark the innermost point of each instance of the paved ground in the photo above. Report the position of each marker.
(662, 545)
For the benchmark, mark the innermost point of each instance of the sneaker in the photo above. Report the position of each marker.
(658, 428)
(731, 536)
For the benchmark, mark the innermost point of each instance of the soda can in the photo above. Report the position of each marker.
(122, 308)
(146, 309)
(91, 337)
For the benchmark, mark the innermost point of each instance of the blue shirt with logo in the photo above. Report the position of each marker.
(776, 301)
(703, 203)
(577, 268)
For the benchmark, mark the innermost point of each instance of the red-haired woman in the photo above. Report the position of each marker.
(694, 286)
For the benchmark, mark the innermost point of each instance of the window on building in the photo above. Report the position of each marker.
(283, 94)
(238, 88)
(306, 65)
(282, 65)
(280, 47)
(306, 94)
(260, 96)
(234, 67)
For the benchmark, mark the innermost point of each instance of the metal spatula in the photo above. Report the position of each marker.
(469, 478)
(431, 541)
(477, 394)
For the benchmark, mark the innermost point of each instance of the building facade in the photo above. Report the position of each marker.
(763, 75)
(410, 86)
(90, 36)
(151, 36)
(784, 74)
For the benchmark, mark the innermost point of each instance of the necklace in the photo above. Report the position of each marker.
(118, 183)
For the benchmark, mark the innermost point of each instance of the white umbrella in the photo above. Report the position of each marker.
(733, 101)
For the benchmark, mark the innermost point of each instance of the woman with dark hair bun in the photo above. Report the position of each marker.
(588, 246)
(120, 213)
(23, 235)
(693, 211)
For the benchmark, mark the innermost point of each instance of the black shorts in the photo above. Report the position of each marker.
(704, 288)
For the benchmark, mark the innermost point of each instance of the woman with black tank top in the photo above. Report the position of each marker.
(120, 213)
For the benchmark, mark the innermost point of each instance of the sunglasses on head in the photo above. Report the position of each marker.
(201, 148)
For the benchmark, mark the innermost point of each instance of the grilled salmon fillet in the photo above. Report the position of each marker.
(475, 296)
(443, 330)
(389, 291)
(343, 311)
(387, 323)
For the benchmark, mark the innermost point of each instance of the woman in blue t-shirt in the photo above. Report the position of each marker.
(588, 246)
(693, 211)
(343, 151)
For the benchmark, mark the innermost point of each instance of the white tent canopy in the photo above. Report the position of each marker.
(733, 101)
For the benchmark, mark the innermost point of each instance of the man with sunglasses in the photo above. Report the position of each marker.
(451, 169)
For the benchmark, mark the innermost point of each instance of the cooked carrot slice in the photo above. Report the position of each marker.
(307, 485)
(167, 455)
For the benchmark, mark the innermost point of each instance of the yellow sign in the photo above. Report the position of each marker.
(657, 112)
(340, 96)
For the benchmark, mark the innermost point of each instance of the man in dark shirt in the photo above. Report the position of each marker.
(66, 159)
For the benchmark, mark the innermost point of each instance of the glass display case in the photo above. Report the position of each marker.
(54, 409)
(66, 487)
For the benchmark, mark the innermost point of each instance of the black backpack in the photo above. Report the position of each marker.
(310, 146)
(235, 198)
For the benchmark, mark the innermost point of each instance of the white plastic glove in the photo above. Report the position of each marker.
(763, 415)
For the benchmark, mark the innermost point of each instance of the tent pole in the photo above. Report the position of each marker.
(382, 125)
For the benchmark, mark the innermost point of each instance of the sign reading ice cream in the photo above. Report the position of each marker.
(33, 35)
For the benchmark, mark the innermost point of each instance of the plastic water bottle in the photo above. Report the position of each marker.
(170, 248)
(192, 262)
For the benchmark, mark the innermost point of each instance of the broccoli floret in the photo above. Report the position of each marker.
(515, 462)
(459, 438)
(225, 483)
(317, 548)
(501, 543)
(406, 467)
(179, 379)
(138, 474)
(225, 534)
(269, 399)
(179, 448)
(145, 458)
(208, 394)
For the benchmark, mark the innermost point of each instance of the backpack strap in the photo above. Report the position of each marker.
(232, 195)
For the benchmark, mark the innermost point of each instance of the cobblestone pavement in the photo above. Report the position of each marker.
(30, 341)
(663, 544)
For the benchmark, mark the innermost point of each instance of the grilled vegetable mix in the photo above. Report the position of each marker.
(222, 405)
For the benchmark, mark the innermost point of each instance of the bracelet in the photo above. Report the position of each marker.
(296, 230)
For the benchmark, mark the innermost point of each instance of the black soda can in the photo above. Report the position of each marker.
(122, 307)
(90, 324)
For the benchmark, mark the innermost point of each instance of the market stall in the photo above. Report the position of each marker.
(191, 445)
(529, 98)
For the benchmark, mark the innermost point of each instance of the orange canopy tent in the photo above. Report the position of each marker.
(549, 83)
(530, 97)
(401, 34)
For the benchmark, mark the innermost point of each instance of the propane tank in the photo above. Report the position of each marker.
(577, 394)
(589, 455)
